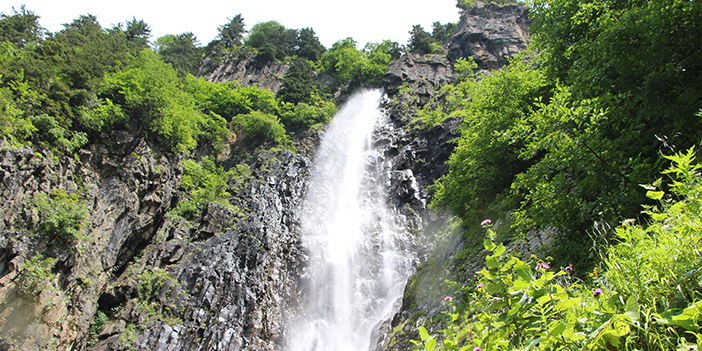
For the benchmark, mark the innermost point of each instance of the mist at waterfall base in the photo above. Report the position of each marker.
(358, 245)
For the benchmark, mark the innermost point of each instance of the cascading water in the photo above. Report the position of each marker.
(358, 246)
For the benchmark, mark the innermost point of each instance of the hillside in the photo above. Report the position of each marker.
(152, 191)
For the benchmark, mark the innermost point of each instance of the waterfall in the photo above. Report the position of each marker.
(358, 245)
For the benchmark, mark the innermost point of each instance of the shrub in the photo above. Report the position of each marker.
(646, 297)
(207, 183)
(259, 127)
(303, 116)
(34, 275)
(61, 217)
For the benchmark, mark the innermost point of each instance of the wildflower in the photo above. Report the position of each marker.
(486, 222)
(480, 287)
(569, 268)
(542, 265)
(596, 292)
(448, 299)
(477, 348)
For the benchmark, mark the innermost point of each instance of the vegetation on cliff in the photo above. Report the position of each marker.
(563, 138)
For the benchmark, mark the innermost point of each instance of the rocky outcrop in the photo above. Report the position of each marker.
(423, 74)
(235, 289)
(491, 34)
(248, 71)
(127, 191)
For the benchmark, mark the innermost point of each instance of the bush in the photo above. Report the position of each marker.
(207, 183)
(646, 296)
(61, 217)
(33, 277)
(258, 127)
(303, 116)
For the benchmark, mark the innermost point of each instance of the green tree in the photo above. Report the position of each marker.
(308, 45)
(138, 32)
(487, 159)
(420, 40)
(232, 33)
(181, 51)
(442, 32)
(298, 83)
(150, 93)
(21, 27)
(272, 40)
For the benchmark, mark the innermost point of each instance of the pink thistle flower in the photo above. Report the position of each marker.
(596, 292)
(569, 268)
(480, 286)
(448, 299)
(477, 348)
(486, 222)
(542, 265)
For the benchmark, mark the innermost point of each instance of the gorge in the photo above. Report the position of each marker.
(241, 275)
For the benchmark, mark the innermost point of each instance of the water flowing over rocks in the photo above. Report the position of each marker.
(230, 278)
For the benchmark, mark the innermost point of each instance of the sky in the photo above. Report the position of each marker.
(363, 20)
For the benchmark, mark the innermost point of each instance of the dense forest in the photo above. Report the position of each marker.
(590, 133)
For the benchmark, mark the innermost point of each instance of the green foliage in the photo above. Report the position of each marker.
(303, 116)
(50, 133)
(640, 61)
(308, 45)
(150, 91)
(350, 65)
(486, 160)
(645, 298)
(229, 99)
(231, 34)
(442, 33)
(258, 127)
(181, 51)
(298, 83)
(34, 277)
(207, 183)
(62, 217)
(420, 40)
(21, 28)
(272, 40)
(100, 319)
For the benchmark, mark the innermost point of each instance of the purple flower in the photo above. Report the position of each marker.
(485, 222)
(480, 286)
(448, 299)
(569, 268)
(542, 265)
(477, 348)
(596, 292)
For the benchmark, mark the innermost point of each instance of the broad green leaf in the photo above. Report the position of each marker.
(430, 345)
(489, 245)
(566, 304)
(556, 328)
(523, 271)
(655, 195)
(491, 262)
(531, 343)
(632, 308)
(500, 250)
(423, 334)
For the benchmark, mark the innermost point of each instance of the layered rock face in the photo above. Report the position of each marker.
(227, 279)
(491, 34)
(249, 72)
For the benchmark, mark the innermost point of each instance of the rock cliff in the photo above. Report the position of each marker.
(227, 279)
(491, 34)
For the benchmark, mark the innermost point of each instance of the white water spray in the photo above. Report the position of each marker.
(359, 256)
